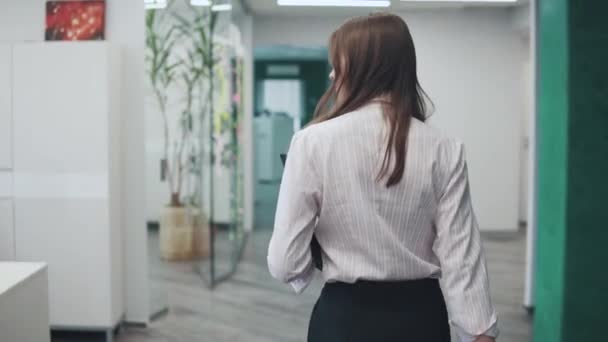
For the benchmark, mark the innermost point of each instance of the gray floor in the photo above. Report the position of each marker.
(254, 308)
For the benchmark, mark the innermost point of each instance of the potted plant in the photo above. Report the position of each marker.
(184, 229)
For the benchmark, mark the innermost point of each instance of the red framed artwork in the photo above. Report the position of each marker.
(75, 20)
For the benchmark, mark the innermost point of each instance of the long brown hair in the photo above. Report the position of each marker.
(374, 58)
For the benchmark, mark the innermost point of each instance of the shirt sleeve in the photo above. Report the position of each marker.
(458, 248)
(289, 255)
(466, 337)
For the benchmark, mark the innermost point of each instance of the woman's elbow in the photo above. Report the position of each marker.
(277, 269)
(277, 264)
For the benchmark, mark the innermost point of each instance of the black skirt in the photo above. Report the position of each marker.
(404, 311)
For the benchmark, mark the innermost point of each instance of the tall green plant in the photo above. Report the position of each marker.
(196, 78)
(192, 71)
(163, 73)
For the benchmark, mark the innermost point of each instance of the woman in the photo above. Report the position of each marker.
(387, 198)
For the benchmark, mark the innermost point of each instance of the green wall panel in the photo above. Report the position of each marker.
(552, 160)
(586, 291)
(572, 286)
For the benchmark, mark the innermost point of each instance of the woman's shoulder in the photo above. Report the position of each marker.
(316, 131)
(444, 149)
(305, 133)
(345, 124)
(430, 134)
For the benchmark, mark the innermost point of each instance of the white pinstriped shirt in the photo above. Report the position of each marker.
(423, 227)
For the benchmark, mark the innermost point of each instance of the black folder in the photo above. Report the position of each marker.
(315, 248)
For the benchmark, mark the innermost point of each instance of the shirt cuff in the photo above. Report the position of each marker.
(300, 283)
(466, 337)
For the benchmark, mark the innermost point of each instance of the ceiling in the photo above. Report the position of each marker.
(270, 7)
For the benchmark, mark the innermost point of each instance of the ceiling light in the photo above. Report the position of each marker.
(155, 4)
(440, 1)
(221, 7)
(335, 3)
(200, 2)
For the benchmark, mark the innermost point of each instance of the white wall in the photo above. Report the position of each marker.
(5, 107)
(23, 20)
(521, 19)
(521, 24)
(470, 63)
(125, 26)
(7, 238)
(527, 115)
(532, 173)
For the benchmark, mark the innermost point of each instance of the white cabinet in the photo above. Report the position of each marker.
(66, 177)
(7, 239)
(5, 107)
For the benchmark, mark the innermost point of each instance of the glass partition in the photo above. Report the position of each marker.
(194, 112)
(222, 173)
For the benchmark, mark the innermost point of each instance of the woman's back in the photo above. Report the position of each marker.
(366, 230)
(369, 231)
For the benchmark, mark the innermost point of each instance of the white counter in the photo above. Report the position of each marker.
(24, 308)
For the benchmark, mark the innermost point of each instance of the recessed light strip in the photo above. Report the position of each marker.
(221, 8)
(335, 3)
(200, 2)
(215, 8)
(444, 1)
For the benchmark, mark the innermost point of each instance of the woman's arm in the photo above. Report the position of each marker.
(458, 247)
(289, 256)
